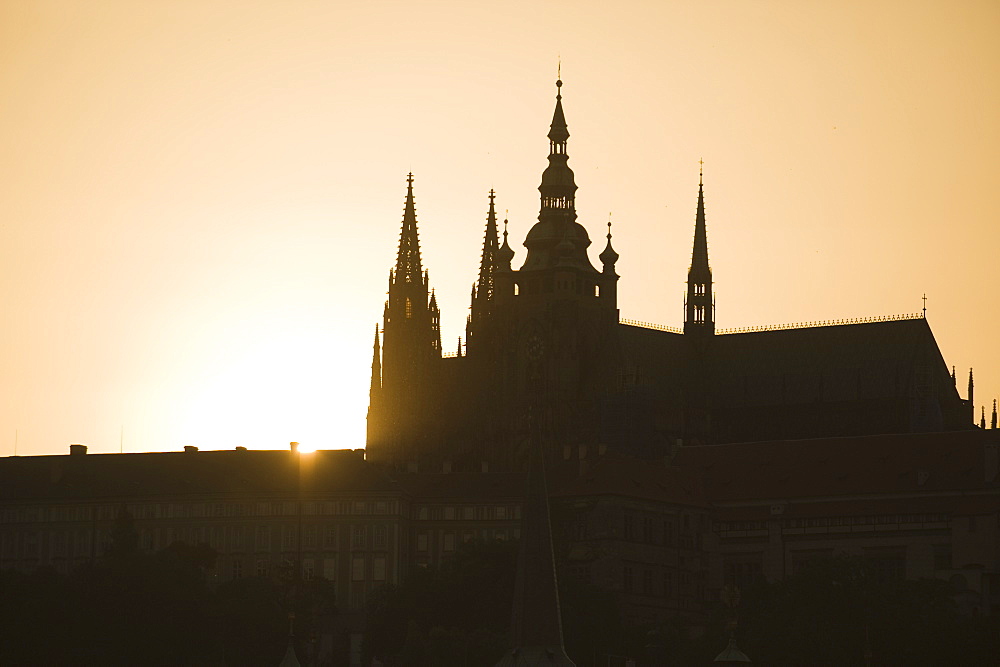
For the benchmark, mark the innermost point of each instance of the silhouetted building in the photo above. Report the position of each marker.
(548, 336)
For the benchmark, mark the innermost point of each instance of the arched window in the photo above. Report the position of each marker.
(409, 308)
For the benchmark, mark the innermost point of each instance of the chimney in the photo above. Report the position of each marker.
(360, 452)
(190, 449)
(294, 446)
(241, 449)
(77, 450)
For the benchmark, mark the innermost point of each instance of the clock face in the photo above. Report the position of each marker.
(535, 347)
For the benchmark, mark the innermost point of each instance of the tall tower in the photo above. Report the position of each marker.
(410, 344)
(699, 302)
(556, 315)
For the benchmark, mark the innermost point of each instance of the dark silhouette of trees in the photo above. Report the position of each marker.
(135, 608)
(837, 609)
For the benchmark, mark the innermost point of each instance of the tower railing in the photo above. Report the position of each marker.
(779, 327)
(821, 323)
(650, 325)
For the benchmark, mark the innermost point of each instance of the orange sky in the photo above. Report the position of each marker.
(199, 201)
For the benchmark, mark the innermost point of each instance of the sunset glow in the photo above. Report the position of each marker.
(201, 200)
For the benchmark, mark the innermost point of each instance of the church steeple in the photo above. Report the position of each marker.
(408, 257)
(485, 287)
(699, 304)
(411, 341)
(557, 239)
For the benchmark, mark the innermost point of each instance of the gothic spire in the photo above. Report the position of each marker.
(485, 287)
(971, 388)
(699, 304)
(376, 384)
(408, 258)
(982, 418)
(699, 254)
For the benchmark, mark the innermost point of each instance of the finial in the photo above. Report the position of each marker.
(925, 305)
(609, 225)
(506, 212)
(701, 170)
(409, 178)
(559, 80)
(492, 195)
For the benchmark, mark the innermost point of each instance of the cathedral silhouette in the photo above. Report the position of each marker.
(545, 343)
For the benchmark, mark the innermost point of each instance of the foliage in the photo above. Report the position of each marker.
(134, 608)
(827, 614)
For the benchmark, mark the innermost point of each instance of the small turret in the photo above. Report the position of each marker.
(993, 421)
(608, 256)
(505, 254)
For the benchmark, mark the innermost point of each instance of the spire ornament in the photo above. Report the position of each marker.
(608, 257)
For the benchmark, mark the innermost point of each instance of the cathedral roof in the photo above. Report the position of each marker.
(828, 363)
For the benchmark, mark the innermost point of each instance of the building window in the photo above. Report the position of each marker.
(262, 565)
(449, 541)
(647, 531)
(237, 568)
(629, 533)
(358, 536)
(501, 513)
(942, 556)
(263, 538)
(647, 582)
(409, 308)
(330, 569)
(449, 513)
(308, 569)
(741, 571)
(422, 542)
(380, 537)
(358, 568)
(627, 579)
(378, 568)
(468, 513)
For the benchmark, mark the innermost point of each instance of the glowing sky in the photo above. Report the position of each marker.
(199, 201)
